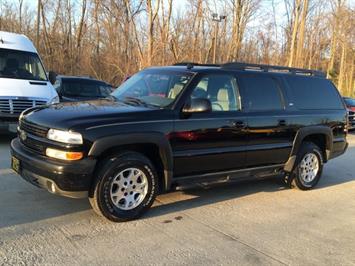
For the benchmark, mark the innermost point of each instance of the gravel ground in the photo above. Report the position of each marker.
(257, 222)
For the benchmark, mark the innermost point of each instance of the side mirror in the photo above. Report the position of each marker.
(197, 105)
(52, 76)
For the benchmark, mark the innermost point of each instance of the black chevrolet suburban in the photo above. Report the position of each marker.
(183, 124)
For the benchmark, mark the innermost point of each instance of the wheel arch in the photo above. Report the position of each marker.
(152, 145)
(322, 136)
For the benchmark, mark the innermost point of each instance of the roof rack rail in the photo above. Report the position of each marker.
(190, 65)
(271, 68)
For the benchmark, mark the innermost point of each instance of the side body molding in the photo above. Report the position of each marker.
(159, 139)
(301, 135)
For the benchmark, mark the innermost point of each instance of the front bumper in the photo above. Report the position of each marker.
(70, 179)
(8, 123)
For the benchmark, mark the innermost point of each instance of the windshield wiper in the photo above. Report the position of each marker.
(136, 101)
(111, 97)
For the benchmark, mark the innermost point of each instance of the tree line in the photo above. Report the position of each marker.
(110, 39)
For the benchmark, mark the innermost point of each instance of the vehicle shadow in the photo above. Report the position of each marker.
(336, 172)
(197, 197)
(21, 202)
(5, 140)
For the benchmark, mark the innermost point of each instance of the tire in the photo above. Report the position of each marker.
(126, 187)
(309, 167)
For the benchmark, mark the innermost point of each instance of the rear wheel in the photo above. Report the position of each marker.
(308, 170)
(125, 188)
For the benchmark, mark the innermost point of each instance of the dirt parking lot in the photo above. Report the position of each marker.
(258, 222)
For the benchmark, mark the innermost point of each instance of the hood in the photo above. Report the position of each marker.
(25, 88)
(71, 115)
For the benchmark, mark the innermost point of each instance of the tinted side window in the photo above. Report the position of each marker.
(314, 93)
(221, 90)
(261, 93)
(82, 88)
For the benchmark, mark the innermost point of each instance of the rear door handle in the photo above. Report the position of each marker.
(282, 122)
(238, 124)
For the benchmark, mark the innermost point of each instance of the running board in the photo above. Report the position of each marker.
(225, 176)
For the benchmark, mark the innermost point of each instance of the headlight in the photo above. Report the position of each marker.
(54, 100)
(65, 136)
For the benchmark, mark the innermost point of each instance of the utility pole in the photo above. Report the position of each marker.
(217, 19)
(38, 22)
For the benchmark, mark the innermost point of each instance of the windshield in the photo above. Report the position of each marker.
(84, 88)
(21, 65)
(158, 89)
(349, 102)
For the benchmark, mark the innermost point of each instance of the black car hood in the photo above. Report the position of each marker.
(83, 114)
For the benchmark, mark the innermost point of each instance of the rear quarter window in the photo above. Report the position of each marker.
(311, 93)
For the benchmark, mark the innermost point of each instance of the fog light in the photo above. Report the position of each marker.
(64, 155)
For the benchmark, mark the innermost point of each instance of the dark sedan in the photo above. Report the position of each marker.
(72, 89)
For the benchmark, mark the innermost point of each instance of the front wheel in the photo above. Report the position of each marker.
(309, 168)
(125, 188)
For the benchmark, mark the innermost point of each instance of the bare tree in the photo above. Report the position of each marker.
(152, 15)
(110, 39)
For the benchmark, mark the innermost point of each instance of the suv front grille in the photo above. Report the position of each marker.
(33, 129)
(34, 145)
(17, 106)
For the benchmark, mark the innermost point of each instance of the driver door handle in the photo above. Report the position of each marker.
(282, 123)
(238, 124)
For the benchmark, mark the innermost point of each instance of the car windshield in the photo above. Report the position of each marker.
(349, 102)
(21, 65)
(84, 88)
(156, 89)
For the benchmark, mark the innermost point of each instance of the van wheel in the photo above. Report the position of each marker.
(309, 167)
(126, 187)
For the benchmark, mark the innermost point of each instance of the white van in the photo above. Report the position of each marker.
(23, 81)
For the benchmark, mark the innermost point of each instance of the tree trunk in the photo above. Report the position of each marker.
(342, 69)
(300, 42)
(334, 40)
(294, 33)
(38, 22)
(152, 14)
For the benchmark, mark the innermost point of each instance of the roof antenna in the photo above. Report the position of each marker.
(1, 40)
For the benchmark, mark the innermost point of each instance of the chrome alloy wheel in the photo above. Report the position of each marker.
(309, 167)
(129, 188)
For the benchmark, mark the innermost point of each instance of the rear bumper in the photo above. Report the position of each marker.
(70, 179)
